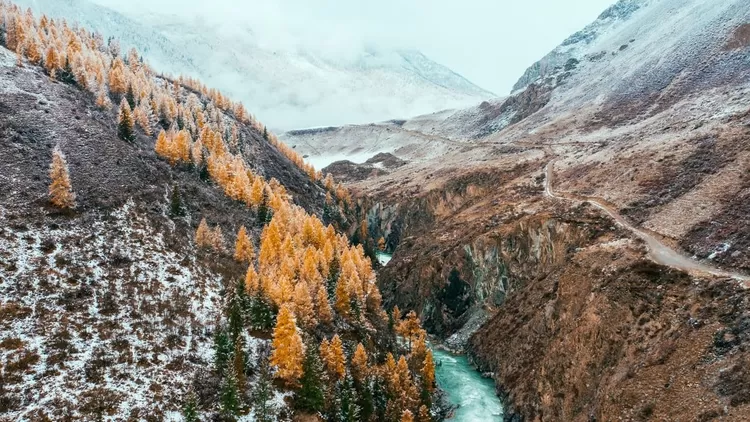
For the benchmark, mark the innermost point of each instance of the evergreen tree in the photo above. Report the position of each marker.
(333, 278)
(265, 133)
(125, 122)
(262, 397)
(239, 364)
(261, 312)
(235, 310)
(66, 74)
(346, 407)
(230, 401)
(3, 39)
(175, 204)
(311, 397)
(130, 96)
(222, 348)
(263, 211)
(190, 411)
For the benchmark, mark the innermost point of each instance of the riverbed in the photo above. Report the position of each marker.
(466, 388)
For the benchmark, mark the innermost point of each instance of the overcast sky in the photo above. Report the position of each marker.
(490, 42)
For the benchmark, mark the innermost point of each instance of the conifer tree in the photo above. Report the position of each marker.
(311, 397)
(125, 122)
(102, 100)
(222, 350)
(261, 312)
(175, 204)
(239, 364)
(359, 364)
(52, 61)
(217, 239)
(288, 352)
(262, 397)
(343, 300)
(230, 401)
(162, 146)
(424, 414)
(252, 281)
(347, 408)
(130, 96)
(60, 191)
(190, 410)
(407, 416)
(203, 236)
(334, 359)
(428, 372)
(243, 247)
(303, 305)
(325, 314)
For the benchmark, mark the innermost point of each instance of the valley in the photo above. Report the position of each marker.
(585, 239)
(578, 250)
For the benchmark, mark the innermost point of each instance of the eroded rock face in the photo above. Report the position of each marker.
(611, 336)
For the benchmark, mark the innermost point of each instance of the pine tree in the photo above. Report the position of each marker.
(288, 352)
(359, 364)
(190, 411)
(222, 350)
(261, 312)
(60, 191)
(130, 96)
(243, 247)
(262, 397)
(125, 122)
(311, 397)
(264, 214)
(347, 409)
(230, 401)
(175, 204)
(239, 364)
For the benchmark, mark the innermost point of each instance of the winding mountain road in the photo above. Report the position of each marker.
(658, 251)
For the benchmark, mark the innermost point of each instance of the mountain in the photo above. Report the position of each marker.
(167, 258)
(287, 88)
(585, 239)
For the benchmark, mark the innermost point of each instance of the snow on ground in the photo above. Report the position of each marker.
(101, 319)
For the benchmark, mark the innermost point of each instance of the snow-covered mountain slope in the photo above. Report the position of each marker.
(638, 58)
(285, 88)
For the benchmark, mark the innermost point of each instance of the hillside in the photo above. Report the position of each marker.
(287, 88)
(193, 275)
(643, 116)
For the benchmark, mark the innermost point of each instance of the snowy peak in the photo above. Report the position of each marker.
(614, 15)
(287, 85)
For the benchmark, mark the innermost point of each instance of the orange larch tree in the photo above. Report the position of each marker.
(203, 234)
(335, 361)
(288, 351)
(243, 247)
(325, 314)
(303, 305)
(60, 190)
(360, 370)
